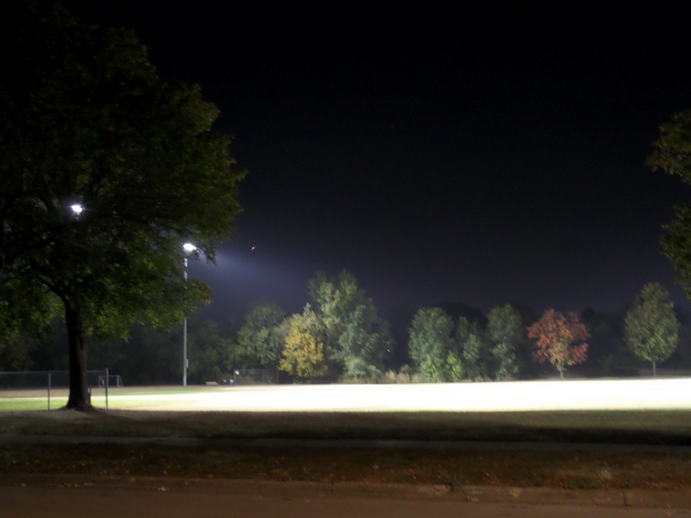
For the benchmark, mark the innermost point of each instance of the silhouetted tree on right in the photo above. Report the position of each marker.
(672, 155)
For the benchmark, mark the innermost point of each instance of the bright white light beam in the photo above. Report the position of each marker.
(647, 394)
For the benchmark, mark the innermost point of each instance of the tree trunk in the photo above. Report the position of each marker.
(654, 371)
(79, 391)
(561, 373)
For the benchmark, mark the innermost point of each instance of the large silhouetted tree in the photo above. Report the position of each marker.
(85, 118)
(652, 328)
(672, 154)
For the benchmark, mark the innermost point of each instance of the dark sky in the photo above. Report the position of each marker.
(434, 165)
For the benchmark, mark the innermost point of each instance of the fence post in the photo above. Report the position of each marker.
(49, 384)
(107, 384)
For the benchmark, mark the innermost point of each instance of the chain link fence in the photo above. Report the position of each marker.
(35, 390)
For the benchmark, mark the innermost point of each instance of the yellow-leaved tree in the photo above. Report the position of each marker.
(303, 353)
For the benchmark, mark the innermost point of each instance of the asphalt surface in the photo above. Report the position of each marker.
(345, 443)
(75, 496)
(28, 495)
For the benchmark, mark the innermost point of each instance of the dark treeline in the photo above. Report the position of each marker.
(340, 335)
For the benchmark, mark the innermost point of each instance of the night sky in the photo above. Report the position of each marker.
(436, 166)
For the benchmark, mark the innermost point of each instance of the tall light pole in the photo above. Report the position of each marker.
(188, 248)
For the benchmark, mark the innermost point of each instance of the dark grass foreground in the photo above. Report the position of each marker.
(561, 463)
(622, 427)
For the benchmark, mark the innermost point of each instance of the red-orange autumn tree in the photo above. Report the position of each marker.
(560, 339)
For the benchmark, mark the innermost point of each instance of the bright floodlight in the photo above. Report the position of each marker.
(189, 247)
(77, 208)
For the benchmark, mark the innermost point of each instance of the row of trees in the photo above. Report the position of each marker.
(441, 349)
(339, 334)
(444, 350)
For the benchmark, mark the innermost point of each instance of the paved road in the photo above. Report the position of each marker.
(104, 502)
(15, 438)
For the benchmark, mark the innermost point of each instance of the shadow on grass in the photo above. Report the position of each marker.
(618, 427)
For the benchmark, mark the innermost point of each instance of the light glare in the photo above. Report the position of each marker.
(77, 208)
(189, 247)
(659, 394)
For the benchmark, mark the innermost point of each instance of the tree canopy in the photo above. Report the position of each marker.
(672, 155)
(652, 328)
(303, 353)
(432, 346)
(356, 339)
(506, 330)
(560, 339)
(472, 341)
(259, 341)
(86, 119)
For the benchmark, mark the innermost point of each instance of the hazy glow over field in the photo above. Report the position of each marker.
(662, 394)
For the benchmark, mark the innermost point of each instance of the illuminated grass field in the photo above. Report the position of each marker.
(558, 395)
(412, 433)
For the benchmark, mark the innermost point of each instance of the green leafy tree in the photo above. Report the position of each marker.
(432, 346)
(208, 352)
(145, 356)
(474, 357)
(303, 353)
(506, 331)
(259, 340)
(652, 328)
(453, 366)
(672, 155)
(152, 355)
(475, 349)
(25, 321)
(356, 339)
(84, 117)
(17, 355)
(672, 150)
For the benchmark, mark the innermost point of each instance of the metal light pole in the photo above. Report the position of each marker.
(188, 248)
